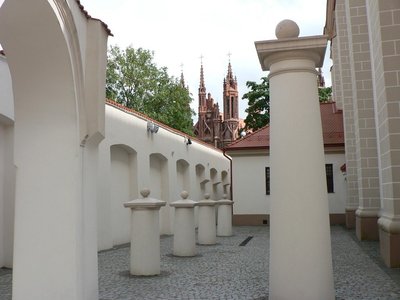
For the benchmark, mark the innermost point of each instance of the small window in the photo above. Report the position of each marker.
(267, 177)
(329, 177)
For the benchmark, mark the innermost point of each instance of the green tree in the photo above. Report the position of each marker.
(325, 94)
(258, 104)
(135, 81)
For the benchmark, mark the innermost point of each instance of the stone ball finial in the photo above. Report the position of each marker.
(184, 195)
(287, 29)
(145, 193)
(207, 196)
(225, 196)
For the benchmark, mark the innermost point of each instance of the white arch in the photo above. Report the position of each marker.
(183, 176)
(56, 139)
(159, 187)
(123, 181)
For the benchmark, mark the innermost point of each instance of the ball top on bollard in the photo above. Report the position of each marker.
(287, 29)
(184, 194)
(207, 196)
(145, 193)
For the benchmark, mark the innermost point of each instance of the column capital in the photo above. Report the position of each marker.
(310, 47)
(145, 203)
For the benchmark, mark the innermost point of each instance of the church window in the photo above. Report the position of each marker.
(267, 181)
(231, 104)
(329, 177)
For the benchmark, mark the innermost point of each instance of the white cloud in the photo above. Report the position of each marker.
(179, 31)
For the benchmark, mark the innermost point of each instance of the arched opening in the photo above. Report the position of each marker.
(159, 188)
(182, 176)
(123, 188)
(214, 183)
(7, 168)
(55, 146)
(225, 183)
(201, 181)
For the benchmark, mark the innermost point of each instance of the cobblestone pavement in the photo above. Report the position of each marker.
(230, 271)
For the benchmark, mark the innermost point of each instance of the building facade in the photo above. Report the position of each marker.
(365, 50)
(250, 155)
(212, 126)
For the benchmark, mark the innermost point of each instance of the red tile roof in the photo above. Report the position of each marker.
(82, 8)
(162, 125)
(332, 130)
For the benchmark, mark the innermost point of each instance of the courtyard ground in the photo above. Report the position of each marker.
(236, 268)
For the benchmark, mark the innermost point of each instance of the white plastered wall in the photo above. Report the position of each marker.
(164, 163)
(55, 138)
(248, 176)
(249, 194)
(125, 167)
(7, 169)
(337, 199)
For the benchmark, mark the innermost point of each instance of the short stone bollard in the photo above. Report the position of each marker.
(145, 235)
(184, 226)
(224, 223)
(207, 232)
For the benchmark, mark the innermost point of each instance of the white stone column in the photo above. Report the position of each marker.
(300, 247)
(145, 235)
(224, 221)
(207, 232)
(184, 226)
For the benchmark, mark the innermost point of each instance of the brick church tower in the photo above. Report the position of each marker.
(230, 126)
(213, 127)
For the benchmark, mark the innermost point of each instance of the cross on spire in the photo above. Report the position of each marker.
(229, 56)
(201, 58)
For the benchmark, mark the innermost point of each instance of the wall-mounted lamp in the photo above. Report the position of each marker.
(187, 141)
(151, 127)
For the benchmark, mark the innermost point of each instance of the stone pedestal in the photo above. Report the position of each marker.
(184, 226)
(145, 235)
(389, 240)
(300, 245)
(207, 232)
(367, 224)
(350, 218)
(224, 220)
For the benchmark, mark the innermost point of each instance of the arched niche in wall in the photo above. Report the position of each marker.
(182, 176)
(201, 180)
(123, 188)
(215, 181)
(225, 182)
(159, 188)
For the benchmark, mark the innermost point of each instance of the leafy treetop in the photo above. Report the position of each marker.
(135, 81)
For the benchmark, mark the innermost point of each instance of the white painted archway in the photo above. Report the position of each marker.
(59, 120)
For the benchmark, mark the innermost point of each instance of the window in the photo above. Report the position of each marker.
(232, 106)
(329, 177)
(267, 176)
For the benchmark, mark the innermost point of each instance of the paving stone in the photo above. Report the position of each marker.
(229, 271)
